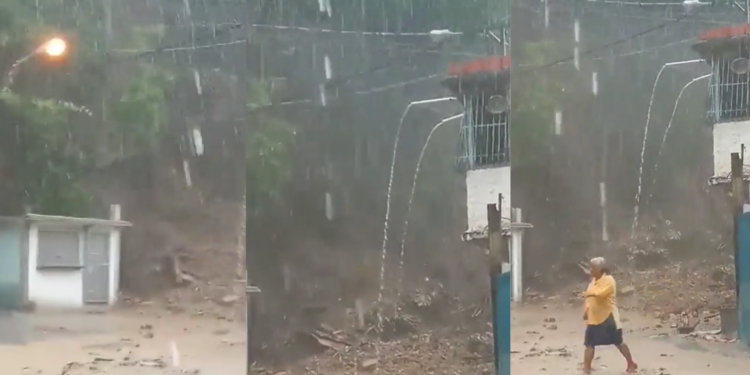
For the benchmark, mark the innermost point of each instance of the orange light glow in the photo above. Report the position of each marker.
(54, 47)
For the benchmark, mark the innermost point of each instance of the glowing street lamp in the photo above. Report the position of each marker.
(52, 48)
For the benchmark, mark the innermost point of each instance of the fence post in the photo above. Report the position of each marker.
(495, 236)
(738, 199)
(516, 257)
(115, 212)
(500, 288)
(250, 320)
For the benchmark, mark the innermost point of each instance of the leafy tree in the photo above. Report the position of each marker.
(534, 106)
(268, 158)
(50, 138)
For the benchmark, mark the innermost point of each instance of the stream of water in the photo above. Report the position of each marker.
(411, 195)
(637, 205)
(666, 132)
(384, 248)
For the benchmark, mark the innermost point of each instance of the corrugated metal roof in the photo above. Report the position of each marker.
(76, 220)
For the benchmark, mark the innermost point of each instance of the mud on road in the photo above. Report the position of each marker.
(147, 341)
(549, 339)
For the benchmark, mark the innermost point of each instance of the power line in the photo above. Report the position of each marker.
(434, 76)
(375, 90)
(346, 32)
(187, 44)
(613, 43)
(432, 48)
(176, 49)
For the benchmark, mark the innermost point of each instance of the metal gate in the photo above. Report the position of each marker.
(96, 275)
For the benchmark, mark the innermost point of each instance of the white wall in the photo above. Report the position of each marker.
(52, 288)
(728, 138)
(482, 188)
(63, 288)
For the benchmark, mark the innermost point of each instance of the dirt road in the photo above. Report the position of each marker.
(550, 340)
(144, 342)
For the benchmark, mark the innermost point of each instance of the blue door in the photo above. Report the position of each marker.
(501, 321)
(11, 287)
(742, 264)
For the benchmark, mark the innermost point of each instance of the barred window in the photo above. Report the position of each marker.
(729, 91)
(485, 133)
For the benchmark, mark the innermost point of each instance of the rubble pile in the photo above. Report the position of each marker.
(421, 333)
(678, 288)
(423, 353)
(682, 280)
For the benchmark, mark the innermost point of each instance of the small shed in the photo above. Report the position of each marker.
(59, 262)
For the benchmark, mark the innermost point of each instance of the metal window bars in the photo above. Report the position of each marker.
(484, 136)
(729, 88)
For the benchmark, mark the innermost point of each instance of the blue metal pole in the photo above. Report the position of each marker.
(501, 321)
(742, 264)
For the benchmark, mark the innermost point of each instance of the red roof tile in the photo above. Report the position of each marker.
(725, 32)
(492, 64)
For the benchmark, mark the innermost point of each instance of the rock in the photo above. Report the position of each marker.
(550, 320)
(626, 291)
(230, 299)
(552, 327)
(369, 364)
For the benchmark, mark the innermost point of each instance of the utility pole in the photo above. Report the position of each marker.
(738, 200)
(500, 287)
(497, 244)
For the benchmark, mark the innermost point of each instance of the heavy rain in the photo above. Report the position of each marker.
(121, 174)
(360, 140)
(627, 120)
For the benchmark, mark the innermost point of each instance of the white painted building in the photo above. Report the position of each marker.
(483, 88)
(726, 51)
(59, 262)
(485, 186)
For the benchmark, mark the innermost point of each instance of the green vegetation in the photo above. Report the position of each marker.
(268, 153)
(533, 113)
(64, 117)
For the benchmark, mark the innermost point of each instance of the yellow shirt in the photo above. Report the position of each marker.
(600, 301)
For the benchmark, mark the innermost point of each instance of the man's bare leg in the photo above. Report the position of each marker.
(588, 358)
(625, 351)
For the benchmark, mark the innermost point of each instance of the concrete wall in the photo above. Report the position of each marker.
(728, 137)
(482, 188)
(63, 288)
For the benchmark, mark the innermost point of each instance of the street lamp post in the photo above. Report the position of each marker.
(53, 48)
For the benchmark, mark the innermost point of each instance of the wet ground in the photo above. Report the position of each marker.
(547, 339)
(125, 342)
